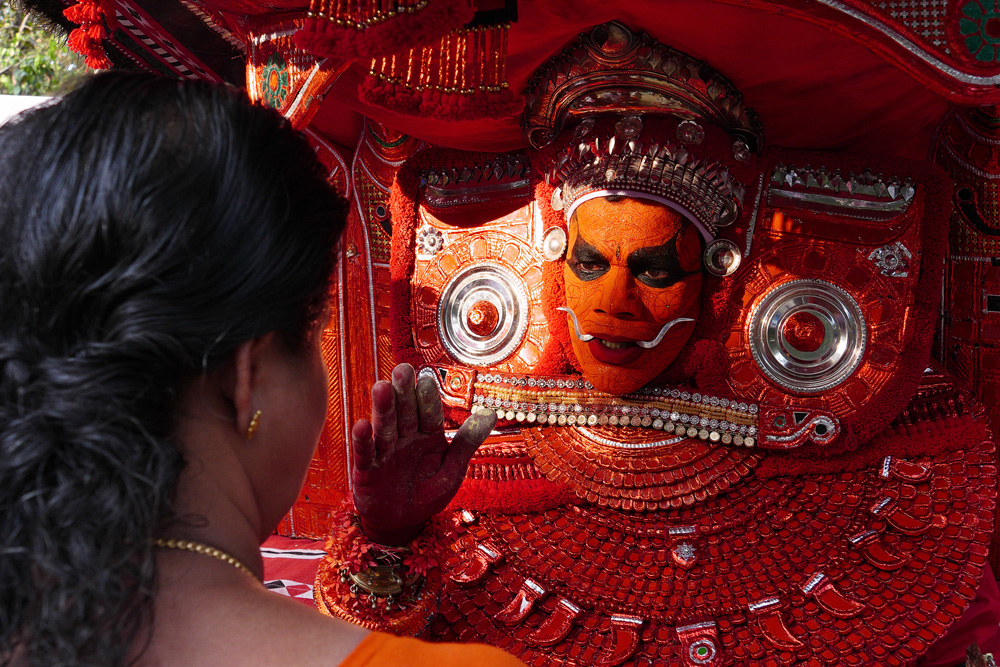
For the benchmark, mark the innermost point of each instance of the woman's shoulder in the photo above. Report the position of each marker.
(236, 622)
(285, 631)
(298, 635)
(380, 649)
(230, 621)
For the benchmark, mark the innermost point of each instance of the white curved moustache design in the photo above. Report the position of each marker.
(647, 344)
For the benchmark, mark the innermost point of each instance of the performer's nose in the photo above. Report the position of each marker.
(618, 297)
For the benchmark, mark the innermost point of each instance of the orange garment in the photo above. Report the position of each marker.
(384, 650)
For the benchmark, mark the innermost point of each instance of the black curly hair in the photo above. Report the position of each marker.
(147, 227)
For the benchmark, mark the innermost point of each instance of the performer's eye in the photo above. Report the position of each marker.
(586, 262)
(656, 274)
(587, 269)
(657, 266)
(591, 267)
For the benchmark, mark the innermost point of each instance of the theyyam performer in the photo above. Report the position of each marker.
(724, 272)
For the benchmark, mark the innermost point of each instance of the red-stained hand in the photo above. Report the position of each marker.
(405, 471)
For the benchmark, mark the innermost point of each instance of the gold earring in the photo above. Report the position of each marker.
(254, 423)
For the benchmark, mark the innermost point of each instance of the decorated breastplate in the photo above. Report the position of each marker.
(876, 560)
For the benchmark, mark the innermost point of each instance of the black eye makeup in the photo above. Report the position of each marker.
(586, 262)
(657, 266)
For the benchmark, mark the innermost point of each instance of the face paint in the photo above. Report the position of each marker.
(632, 273)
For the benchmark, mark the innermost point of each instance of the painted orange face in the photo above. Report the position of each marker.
(633, 267)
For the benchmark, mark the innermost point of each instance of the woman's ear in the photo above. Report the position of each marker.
(241, 377)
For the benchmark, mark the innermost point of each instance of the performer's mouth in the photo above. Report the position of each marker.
(615, 352)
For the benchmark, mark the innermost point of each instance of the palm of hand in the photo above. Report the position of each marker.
(405, 470)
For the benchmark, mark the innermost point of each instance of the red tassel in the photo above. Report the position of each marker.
(84, 13)
(95, 32)
(93, 17)
(92, 51)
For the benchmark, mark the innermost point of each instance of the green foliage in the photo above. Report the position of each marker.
(34, 58)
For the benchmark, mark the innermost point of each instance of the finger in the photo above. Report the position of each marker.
(471, 434)
(430, 412)
(384, 418)
(406, 400)
(363, 445)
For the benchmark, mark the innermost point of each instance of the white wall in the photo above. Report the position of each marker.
(12, 104)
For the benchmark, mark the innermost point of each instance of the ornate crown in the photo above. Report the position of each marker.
(670, 173)
(673, 129)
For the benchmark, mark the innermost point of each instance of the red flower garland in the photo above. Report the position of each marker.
(350, 552)
(355, 553)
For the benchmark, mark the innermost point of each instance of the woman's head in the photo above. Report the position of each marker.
(147, 228)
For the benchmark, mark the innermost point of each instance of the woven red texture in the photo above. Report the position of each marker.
(502, 478)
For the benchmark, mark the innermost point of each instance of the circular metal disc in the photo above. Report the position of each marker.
(483, 283)
(554, 244)
(836, 356)
(722, 257)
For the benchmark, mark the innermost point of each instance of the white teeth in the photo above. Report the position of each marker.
(613, 345)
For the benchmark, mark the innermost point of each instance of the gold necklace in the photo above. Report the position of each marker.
(204, 549)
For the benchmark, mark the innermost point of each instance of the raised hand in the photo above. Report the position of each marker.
(404, 468)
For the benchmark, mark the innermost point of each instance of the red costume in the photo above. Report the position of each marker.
(701, 301)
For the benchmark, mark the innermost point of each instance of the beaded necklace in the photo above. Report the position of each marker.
(203, 549)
